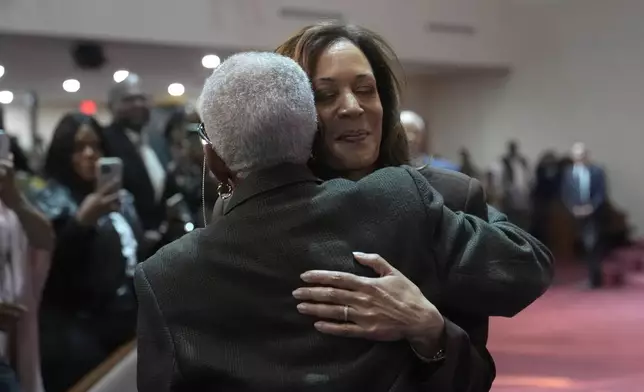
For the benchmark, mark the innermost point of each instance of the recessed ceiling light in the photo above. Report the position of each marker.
(210, 61)
(6, 97)
(121, 75)
(1, 71)
(71, 85)
(176, 89)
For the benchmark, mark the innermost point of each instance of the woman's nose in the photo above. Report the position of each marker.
(350, 106)
(89, 152)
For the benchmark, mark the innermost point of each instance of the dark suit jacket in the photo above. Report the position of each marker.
(517, 285)
(136, 179)
(216, 310)
(570, 191)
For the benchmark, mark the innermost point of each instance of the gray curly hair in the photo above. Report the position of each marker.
(258, 110)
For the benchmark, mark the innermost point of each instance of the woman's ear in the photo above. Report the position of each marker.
(217, 166)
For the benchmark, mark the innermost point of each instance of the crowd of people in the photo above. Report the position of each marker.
(274, 294)
(69, 276)
(529, 194)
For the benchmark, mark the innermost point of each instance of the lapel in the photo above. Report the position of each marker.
(267, 180)
(121, 146)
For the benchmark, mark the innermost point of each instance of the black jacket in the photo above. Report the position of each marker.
(216, 311)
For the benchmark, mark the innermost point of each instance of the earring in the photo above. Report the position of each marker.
(224, 190)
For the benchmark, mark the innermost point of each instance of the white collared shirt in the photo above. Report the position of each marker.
(582, 175)
(153, 165)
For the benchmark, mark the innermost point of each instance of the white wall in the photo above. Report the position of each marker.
(242, 24)
(578, 76)
(16, 119)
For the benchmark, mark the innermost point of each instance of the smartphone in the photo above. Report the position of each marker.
(109, 170)
(5, 145)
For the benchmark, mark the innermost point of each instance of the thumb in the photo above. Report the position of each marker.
(375, 262)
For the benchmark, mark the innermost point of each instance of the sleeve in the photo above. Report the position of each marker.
(599, 196)
(535, 274)
(464, 369)
(489, 269)
(73, 244)
(155, 349)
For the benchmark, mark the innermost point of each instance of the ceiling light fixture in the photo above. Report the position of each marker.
(176, 89)
(210, 61)
(6, 97)
(71, 85)
(121, 75)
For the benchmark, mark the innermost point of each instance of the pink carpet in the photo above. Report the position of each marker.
(573, 340)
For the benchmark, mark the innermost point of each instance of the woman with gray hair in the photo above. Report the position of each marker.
(284, 109)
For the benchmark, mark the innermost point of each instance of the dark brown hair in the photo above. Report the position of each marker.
(307, 46)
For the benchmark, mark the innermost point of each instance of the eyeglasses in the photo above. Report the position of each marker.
(201, 130)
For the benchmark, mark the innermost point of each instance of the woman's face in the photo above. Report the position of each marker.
(87, 150)
(349, 109)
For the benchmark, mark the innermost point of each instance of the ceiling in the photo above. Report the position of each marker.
(41, 64)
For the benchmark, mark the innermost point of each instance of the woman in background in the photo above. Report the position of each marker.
(26, 242)
(186, 167)
(88, 309)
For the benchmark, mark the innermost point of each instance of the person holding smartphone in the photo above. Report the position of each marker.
(26, 242)
(88, 309)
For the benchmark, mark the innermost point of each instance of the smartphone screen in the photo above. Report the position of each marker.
(109, 170)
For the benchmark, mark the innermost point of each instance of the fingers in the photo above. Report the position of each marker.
(109, 188)
(342, 280)
(324, 311)
(329, 295)
(348, 330)
(113, 201)
(111, 198)
(375, 262)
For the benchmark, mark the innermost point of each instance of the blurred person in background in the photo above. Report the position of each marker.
(175, 134)
(88, 308)
(467, 166)
(583, 191)
(420, 145)
(546, 191)
(513, 185)
(193, 287)
(186, 167)
(356, 86)
(144, 175)
(26, 242)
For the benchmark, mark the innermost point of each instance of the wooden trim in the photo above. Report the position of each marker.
(91, 378)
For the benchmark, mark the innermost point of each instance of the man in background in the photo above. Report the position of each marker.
(512, 182)
(420, 146)
(144, 175)
(584, 194)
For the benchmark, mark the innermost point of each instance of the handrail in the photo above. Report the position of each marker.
(93, 377)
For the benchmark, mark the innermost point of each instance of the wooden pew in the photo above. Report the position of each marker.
(92, 378)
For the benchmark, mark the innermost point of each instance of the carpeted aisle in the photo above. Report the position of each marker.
(573, 340)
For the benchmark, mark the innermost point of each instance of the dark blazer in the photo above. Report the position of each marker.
(215, 307)
(136, 179)
(570, 191)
